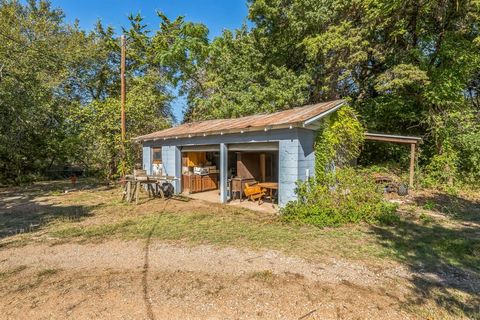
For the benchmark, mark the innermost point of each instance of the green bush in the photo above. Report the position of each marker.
(338, 142)
(335, 197)
(352, 198)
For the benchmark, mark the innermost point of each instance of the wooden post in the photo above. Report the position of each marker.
(129, 191)
(262, 166)
(122, 99)
(239, 162)
(137, 191)
(412, 163)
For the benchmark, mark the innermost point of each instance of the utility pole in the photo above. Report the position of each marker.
(122, 99)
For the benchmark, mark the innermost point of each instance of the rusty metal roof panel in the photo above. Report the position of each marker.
(258, 122)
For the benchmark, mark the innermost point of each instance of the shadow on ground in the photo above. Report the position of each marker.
(453, 206)
(26, 210)
(444, 259)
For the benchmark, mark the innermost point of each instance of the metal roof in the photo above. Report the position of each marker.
(297, 117)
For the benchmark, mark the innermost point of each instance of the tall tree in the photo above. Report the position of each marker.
(238, 82)
(59, 92)
(33, 49)
(408, 67)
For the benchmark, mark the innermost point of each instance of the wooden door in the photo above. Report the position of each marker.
(207, 183)
(186, 183)
(196, 183)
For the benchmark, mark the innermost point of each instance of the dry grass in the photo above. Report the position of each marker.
(201, 223)
(438, 234)
(98, 213)
(12, 272)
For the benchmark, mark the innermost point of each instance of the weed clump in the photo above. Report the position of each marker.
(350, 197)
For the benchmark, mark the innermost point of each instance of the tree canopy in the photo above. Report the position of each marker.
(59, 91)
(408, 67)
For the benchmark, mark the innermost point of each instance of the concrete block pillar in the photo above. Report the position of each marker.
(288, 154)
(223, 172)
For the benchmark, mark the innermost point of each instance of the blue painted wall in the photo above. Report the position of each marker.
(296, 156)
(147, 158)
(296, 162)
(171, 160)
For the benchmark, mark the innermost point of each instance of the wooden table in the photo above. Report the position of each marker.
(153, 183)
(270, 186)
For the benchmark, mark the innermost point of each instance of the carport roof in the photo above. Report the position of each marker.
(305, 116)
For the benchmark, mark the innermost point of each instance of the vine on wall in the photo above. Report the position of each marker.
(343, 195)
(338, 142)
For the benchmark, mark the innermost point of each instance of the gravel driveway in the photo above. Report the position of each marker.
(134, 280)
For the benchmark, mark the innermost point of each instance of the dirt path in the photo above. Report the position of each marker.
(129, 256)
(120, 280)
(154, 279)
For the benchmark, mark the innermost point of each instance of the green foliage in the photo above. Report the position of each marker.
(442, 168)
(469, 144)
(32, 40)
(429, 205)
(99, 131)
(401, 77)
(338, 142)
(352, 199)
(60, 89)
(237, 81)
(406, 67)
(456, 160)
(338, 194)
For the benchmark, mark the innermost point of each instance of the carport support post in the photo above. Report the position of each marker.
(412, 163)
(223, 172)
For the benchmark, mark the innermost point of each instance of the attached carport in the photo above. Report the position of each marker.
(408, 140)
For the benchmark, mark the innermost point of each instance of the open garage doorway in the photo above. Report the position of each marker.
(254, 166)
(200, 169)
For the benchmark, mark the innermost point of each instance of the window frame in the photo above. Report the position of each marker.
(156, 151)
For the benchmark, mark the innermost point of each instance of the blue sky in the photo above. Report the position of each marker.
(217, 15)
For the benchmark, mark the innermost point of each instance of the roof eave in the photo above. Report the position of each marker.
(221, 132)
(311, 122)
(392, 138)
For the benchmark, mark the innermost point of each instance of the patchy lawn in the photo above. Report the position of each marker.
(186, 258)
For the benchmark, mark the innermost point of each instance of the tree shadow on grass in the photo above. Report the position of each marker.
(453, 206)
(23, 209)
(445, 262)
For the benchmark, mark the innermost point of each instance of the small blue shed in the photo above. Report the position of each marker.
(207, 155)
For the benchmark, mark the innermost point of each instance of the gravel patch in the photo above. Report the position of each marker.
(129, 255)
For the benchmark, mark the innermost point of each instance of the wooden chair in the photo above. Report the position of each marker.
(254, 192)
